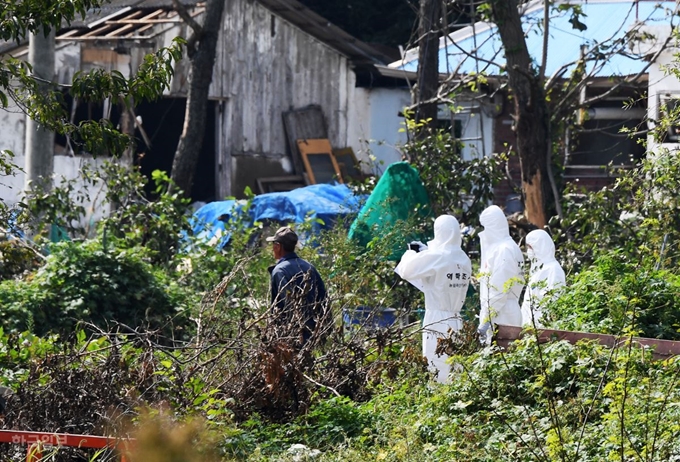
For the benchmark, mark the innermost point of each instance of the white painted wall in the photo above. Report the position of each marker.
(92, 196)
(65, 168)
(477, 125)
(13, 129)
(661, 82)
(477, 136)
(374, 126)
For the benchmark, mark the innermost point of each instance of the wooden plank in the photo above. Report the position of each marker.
(300, 124)
(107, 27)
(119, 31)
(663, 349)
(146, 21)
(99, 21)
(348, 163)
(98, 55)
(319, 161)
(69, 33)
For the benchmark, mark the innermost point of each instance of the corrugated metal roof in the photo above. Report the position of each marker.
(478, 48)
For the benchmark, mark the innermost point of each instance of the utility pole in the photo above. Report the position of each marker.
(40, 141)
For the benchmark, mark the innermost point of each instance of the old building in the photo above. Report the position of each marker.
(273, 57)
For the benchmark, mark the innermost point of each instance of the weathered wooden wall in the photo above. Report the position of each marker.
(266, 66)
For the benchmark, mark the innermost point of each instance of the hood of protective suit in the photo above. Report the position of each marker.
(446, 232)
(495, 224)
(496, 230)
(540, 247)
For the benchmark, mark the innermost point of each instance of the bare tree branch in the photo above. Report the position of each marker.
(546, 26)
(197, 29)
(186, 17)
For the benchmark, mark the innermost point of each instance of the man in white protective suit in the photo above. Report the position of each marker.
(546, 276)
(442, 271)
(501, 269)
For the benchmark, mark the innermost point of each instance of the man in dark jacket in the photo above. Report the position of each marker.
(298, 294)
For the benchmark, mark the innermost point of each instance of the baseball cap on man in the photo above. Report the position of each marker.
(285, 236)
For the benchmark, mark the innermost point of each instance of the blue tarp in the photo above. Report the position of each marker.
(324, 201)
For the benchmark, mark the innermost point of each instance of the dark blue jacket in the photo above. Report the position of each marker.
(295, 283)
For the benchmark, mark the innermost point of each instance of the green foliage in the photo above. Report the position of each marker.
(63, 206)
(637, 216)
(45, 102)
(157, 225)
(557, 402)
(83, 282)
(615, 295)
(16, 258)
(360, 276)
(7, 168)
(148, 83)
(18, 17)
(462, 188)
(329, 423)
(18, 350)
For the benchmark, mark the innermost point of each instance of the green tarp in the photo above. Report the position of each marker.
(398, 196)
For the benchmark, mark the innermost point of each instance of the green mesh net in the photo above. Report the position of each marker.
(399, 196)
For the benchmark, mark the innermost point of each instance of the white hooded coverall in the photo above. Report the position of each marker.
(501, 268)
(546, 276)
(442, 272)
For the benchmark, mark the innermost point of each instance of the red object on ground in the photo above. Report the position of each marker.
(36, 441)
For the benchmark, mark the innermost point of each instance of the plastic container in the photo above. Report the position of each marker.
(369, 316)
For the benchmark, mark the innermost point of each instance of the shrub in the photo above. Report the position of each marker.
(637, 215)
(615, 295)
(16, 258)
(84, 282)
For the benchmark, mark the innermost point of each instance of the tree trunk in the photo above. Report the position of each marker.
(530, 111)
(202, 56)
(126, 123)
(428, 62)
